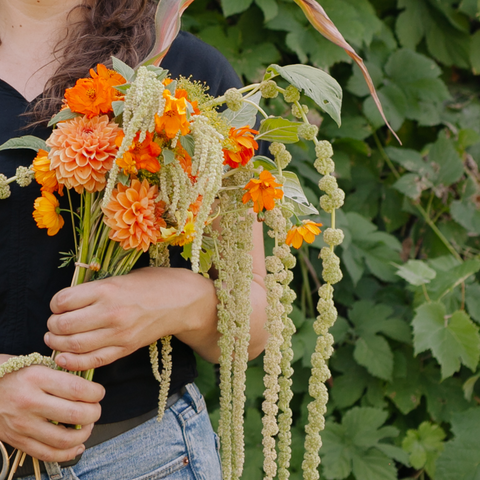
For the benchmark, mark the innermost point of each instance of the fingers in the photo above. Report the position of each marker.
(73, 298)
(65, 386)
(95, 359)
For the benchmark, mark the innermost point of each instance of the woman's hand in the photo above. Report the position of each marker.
(96, 323)
(33, 396)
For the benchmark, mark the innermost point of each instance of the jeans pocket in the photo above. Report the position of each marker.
(165, 471)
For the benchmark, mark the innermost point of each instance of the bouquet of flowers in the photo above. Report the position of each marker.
(155, 163)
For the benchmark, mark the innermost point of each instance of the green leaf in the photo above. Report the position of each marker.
(460, 460)
(472, 299)
(316, 84)
(411, 160)
(293, 193)
(61, 116)
(246, 116)
(424, 446)
(349, 387)
(410, 26)
(230, 7)
(269, 8)
(453, 341)
(355, 445)
(123, 69)
(278, 129)
(168, 156)
(188, 143)
(416, 272)
(374, 353)
(411, 185)
(475, 52)
(443, 284)
(465, 212)
(118, 107)
(469, 386)
(446, 160)
(27, 141)
(265, 162)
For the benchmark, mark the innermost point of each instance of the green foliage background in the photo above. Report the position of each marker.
(404, 393)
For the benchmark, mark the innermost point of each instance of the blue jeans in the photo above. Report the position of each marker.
(182, 446)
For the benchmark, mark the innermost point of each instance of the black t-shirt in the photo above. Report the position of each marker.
(29, 259)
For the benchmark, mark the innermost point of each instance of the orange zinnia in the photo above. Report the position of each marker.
(82, 152)
(174, 118)
(133, 215)
(242, 147)
(140, 155)
(43, 175)
(306, 231)
(112, 77)
(263, 192)
(47, 213)
(90, 96)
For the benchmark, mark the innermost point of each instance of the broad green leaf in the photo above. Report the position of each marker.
(123, 69)
(460, 460)
(416, 272)
(411, 160)
(374, 353)
(188, 144)
(246, 116)
(424, 446)
(349, 387)
(269, 8)
(410, 25)
(466, 213)
(254, 383)
(316, 84)
(293, 193)
(445, 283)
(453, 340)
(374, 465)
(472, 299)
(27, 141)
(446, 160)
(277, 129)
(411, 185)
(168, 156)
(61, 116)
(358, 437)
(230, 7)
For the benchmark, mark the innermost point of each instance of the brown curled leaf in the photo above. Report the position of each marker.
(317, 16)
(167, 26)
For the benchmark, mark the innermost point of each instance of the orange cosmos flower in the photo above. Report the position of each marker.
(242, 147)
(306, 231)
(43, 175)
(82, 152)
(112, 77)
(133, 215)
(90, 96)
(263, 192)
(140, 155)
(47, 213)
(181, 93)
(174, 118)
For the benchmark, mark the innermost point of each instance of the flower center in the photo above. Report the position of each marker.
(91, 93)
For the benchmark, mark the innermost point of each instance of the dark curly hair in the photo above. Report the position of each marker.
(122, 28)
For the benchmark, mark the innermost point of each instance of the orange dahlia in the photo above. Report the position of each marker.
(47, 213)
(83, 151)
(306, 231)
(133, 215)
(174, 118)
(43, 175)
(263, 192)
(242, 146)
(90, 96)
(140, 155)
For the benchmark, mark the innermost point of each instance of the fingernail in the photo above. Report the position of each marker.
(80, 451)
(61, 362)
(46, 338)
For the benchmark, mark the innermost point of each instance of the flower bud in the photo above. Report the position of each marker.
(291, 94)
(233, 99)
(268, 89)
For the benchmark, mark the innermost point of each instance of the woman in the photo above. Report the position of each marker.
(45, 46)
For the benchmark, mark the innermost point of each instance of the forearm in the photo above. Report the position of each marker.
(201, 333)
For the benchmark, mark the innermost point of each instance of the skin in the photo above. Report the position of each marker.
(96, 323)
